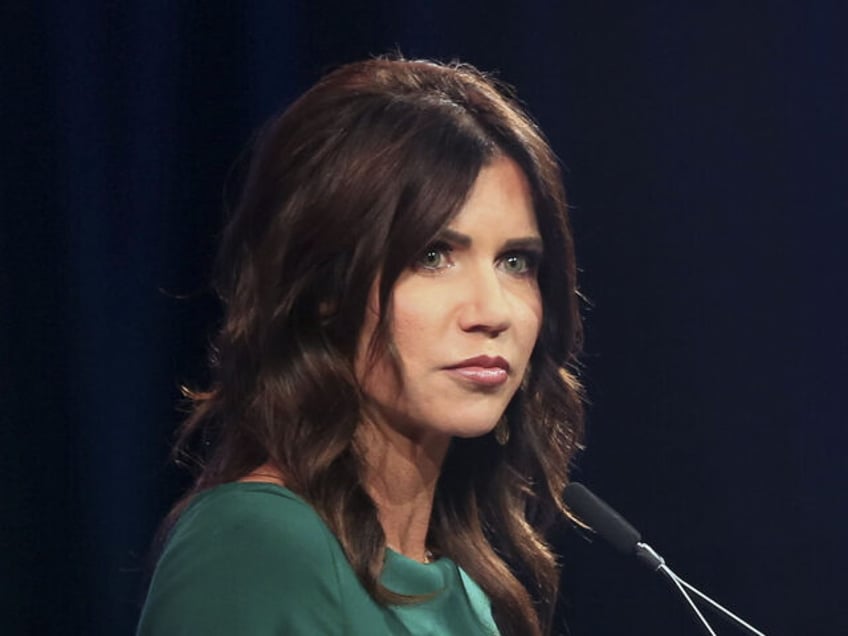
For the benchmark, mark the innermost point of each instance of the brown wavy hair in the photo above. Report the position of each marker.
(353, 182)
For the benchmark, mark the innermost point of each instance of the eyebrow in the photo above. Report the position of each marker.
(452, 236)
(532, 243)
(529, 243)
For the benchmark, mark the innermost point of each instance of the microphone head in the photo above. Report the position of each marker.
(601, 518)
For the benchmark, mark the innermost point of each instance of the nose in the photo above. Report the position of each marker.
(486, 307)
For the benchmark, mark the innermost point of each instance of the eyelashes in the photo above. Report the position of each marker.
(521, 262)
(439, 256)
(435, 256)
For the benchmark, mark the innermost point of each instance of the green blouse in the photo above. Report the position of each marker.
(254, 559)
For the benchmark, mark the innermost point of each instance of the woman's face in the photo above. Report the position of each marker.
(465, 317)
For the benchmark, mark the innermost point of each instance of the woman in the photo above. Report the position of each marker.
(394, 407)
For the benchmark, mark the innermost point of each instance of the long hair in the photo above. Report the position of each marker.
(349, 184)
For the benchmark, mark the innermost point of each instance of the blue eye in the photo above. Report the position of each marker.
(435, 257)
(520, 263)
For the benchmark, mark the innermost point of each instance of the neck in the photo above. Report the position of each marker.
(400, 476)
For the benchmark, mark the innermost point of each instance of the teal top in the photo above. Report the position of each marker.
(254, 559)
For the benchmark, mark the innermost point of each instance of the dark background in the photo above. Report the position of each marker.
(704, 147)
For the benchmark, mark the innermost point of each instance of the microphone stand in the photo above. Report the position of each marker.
(653, 560)
(625, 538)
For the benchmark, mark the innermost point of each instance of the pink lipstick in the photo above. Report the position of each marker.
(482, 370)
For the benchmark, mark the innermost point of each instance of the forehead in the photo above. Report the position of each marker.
(500, 199)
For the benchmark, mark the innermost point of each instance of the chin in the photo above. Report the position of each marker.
(467, 420)
(469, 429)
(473, 434)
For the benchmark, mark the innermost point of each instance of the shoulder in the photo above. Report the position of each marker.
(248, 558)
(253, 524)
(239, 511)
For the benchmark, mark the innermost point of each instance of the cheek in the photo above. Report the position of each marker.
(529, 316)
(411, 318)
(413, 321)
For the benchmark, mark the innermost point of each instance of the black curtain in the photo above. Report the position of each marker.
(704, 154)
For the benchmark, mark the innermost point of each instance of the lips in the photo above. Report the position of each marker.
(485, 362)
(481, 370)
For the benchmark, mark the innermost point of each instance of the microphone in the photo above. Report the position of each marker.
(615, 529)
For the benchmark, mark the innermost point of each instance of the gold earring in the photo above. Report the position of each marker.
(502, 430)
